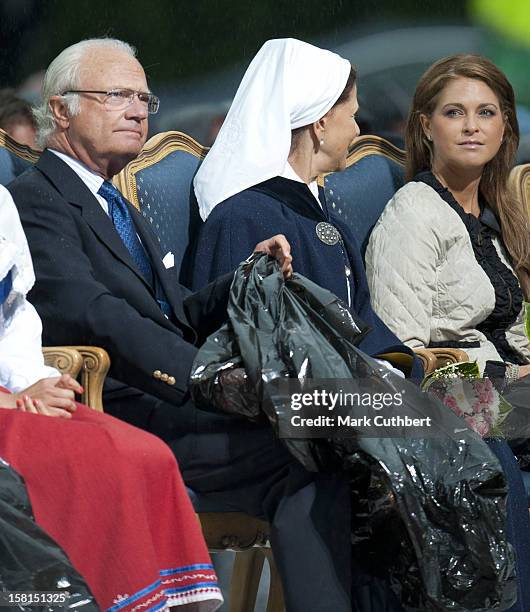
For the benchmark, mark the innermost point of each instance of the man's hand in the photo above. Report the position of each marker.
(280, 249)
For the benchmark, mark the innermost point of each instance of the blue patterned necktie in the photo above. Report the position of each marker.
(121, 217)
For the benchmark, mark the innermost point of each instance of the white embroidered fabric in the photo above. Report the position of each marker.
(21, 360)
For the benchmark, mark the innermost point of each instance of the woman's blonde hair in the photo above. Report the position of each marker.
(494, 182)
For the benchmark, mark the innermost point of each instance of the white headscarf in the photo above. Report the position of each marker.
(289, 84)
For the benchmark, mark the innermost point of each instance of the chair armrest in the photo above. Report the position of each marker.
(233, 530)
(427, 358)
(434, 358)
(447, 356)
(96, 364)
(66, 359)
(92, 362)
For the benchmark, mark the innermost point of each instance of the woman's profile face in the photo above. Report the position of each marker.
(341, 130)
(466, 127)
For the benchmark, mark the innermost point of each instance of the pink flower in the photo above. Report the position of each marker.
(484, 389)
(472, 422)
(451, 402)
(481, 428)
(475, 400)
(477, 407)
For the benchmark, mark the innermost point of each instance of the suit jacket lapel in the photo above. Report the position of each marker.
(77, 193)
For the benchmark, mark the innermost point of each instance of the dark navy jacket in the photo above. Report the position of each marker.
(283, 206)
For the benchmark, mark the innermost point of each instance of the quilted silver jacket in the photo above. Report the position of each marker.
(424, 279)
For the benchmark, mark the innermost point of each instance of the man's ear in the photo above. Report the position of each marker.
(426, 125)
(59, 111)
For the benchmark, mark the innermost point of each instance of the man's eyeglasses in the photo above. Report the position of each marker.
(118, 99)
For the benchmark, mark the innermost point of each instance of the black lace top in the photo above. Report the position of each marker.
(508, 294)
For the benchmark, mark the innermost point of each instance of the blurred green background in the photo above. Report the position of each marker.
(195, 52)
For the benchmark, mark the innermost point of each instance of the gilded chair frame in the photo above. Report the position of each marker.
(519, 182)
(66, 359)
(155, 149)
(20, 150)
(88, 363)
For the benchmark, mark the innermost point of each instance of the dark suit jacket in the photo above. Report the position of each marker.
(88, 290)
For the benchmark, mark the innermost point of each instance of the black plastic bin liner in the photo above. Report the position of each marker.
(428, 512)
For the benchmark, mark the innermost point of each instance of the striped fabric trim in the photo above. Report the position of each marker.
(147, 599)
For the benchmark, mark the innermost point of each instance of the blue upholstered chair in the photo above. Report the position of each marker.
(159, 184)
(359, 194)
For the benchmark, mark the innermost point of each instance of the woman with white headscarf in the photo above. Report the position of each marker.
(292, 119)
(91, 479)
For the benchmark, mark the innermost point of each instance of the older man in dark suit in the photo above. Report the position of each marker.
(101, 280)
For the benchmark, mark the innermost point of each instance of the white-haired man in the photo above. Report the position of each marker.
(101, 280)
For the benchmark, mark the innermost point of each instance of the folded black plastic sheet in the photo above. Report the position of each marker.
(29, 559)
(429, 513)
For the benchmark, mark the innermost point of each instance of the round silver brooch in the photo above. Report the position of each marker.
(327, 233)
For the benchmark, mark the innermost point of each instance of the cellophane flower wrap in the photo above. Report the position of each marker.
(475, 399)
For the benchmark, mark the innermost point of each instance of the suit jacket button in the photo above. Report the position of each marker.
(171, 380)
(164, 377)
(157, 374)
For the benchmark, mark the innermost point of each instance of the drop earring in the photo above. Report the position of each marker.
(321, 141)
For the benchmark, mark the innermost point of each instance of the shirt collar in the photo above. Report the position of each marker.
(289, 173)
(92, 180)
